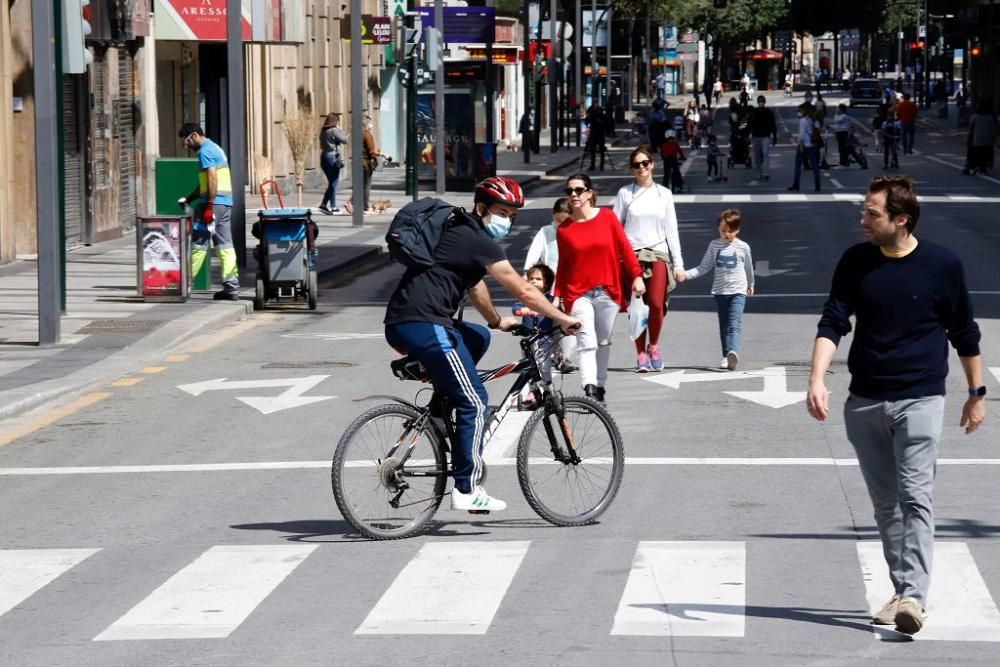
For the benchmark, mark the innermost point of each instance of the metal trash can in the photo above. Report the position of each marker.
(163, 257)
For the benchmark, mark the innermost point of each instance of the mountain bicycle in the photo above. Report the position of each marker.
(391, 465)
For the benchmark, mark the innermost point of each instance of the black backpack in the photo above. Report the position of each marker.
(416, 230)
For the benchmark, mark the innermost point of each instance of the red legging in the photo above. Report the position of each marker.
(656, 298)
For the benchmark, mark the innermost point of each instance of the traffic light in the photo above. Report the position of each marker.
(975, 52)
(405, 73)
(75, 28)
(916, 46)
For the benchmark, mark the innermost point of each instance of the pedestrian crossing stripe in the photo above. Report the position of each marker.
(674, 588)
(959, 606)
(210, 597)
(452, 588)
(25, 571)
(685, 589)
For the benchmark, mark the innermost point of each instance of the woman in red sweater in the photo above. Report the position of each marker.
(592, 246)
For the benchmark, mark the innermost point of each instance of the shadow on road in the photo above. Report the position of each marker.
(313, 530)
(855, 619)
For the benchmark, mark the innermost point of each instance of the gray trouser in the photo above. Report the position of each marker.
(896, 445)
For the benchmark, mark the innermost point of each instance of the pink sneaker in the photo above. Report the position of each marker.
(654, 358)
(641, 363)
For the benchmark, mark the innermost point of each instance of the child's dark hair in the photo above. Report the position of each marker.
(712, 137)
(731, 218)
(548, 275)
(561, 205)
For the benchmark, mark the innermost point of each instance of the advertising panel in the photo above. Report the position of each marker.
(163, 257)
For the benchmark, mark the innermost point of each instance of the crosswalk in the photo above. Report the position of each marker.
(673, 589)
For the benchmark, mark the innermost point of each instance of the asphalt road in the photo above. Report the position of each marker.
(148, 525)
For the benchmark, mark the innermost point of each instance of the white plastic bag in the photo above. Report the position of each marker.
(638, 315)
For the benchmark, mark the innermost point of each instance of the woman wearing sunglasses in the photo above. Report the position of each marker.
(646, 210)
(592, 246)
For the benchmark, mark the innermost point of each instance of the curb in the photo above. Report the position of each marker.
(164, 340)
(16, 402)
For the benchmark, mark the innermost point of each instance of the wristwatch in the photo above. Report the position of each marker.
(976, 392)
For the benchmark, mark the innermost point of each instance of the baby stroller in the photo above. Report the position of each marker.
(856, 154)
(739, 147)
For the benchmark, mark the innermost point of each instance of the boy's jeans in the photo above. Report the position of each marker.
(730, 307)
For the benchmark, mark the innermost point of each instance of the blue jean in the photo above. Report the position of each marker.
(327, 163)
(450, 355)
(896, 445)
(730, 307)
(808, 155)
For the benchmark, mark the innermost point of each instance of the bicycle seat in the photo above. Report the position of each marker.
(408, 368)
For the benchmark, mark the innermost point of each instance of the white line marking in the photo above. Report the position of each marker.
(959, 606)
(450, 588)
(25, 571)
(504, 442)
(960, 167)
(837, 184)
(685, 589)
(794, 196)
(832, 197)
(306, 465)
(736, 199)
(210, 597)
(995, 370)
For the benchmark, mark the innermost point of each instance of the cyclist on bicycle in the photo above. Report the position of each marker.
(420, 322)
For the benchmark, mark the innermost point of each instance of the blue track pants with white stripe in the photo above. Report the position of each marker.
(450, 355)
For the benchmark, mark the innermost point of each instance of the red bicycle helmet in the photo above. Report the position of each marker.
(499, 190)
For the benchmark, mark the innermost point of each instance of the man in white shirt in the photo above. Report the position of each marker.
(840, 125)
(808, 149)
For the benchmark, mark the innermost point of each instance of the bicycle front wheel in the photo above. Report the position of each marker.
(379, 494)
(563, 492)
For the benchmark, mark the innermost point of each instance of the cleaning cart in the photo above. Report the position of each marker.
(286, 254)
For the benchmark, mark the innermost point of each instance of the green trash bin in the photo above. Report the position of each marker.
(177, 177)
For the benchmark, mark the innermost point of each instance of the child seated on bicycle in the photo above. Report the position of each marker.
(542, 277)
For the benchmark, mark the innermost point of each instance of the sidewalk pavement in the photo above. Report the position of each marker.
(108, 330)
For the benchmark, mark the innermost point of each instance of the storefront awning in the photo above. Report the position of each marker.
(264, 21)
(763, 54)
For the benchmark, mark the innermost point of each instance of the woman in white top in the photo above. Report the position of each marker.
(543, 248)
(646, 210)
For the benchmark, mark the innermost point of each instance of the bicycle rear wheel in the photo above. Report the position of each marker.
(562, 492)
(377, 493)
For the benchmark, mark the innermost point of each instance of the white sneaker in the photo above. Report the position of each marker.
(724, 364)
(477, 500)
(731, 360)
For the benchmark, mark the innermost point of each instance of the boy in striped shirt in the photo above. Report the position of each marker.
(733, 283)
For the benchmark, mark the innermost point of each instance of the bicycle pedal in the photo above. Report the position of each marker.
(479, 511)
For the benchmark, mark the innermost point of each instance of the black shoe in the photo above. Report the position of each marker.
(226, 296)
(326, 209)
(600, 394)
(592, 391)
(793, 188)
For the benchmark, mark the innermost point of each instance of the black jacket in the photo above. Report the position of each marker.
(762, 123)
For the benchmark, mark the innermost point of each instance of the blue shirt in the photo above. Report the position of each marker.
(211, 155)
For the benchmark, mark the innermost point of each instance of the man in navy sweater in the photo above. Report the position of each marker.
(909, 300)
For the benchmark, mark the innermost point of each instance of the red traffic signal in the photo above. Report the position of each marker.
(975, 51)
(915, 46)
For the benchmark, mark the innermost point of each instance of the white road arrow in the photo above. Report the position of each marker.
(775, 393)
(291, 398)
(762, 268)
(675, 378)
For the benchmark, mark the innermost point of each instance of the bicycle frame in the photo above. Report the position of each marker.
(528, 372)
